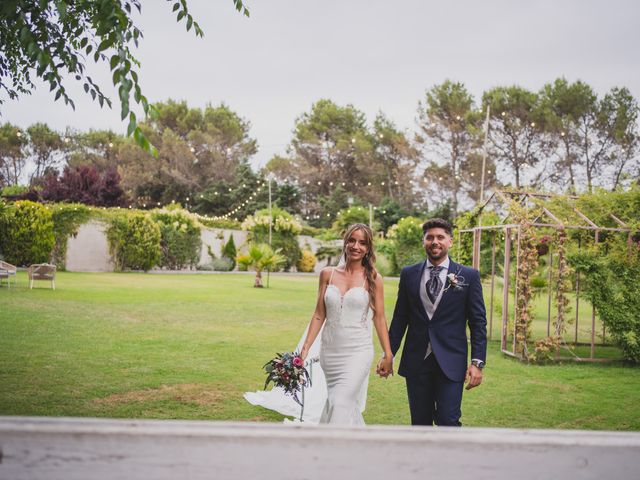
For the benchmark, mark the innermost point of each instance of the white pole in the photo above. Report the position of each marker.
(484, 154)
(270, 213)
(270, 227)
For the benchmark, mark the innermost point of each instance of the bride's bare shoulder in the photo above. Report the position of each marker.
(325, 273)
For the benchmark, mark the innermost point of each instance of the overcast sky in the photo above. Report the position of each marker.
(375, 54)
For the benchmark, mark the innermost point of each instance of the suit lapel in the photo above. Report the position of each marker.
(417, 279)
(453, 268)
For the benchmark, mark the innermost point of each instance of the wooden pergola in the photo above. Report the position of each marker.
(512, 240)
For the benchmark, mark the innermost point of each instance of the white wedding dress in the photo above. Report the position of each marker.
(338, 392)
(346, 354)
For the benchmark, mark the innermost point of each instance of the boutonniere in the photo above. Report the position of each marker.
(455, 281)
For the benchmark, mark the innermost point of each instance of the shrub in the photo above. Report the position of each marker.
(206, 267)
(32, 193)
(328, 236)
(349, 216)
(390, 212)
(611, 284)
(180, 242)
(13, 190)
(243, 260)
(283, 233)
(217, 265)
(384, 265)
(223, 264)
(307, 262)
(229, 224)
(84, 184)
(111, 193)
(462, 250)
(330, 253)
(386, 254)
(538, 284)
(134, 241)
(230, 252)
(407, 238)
(261, 257)
(26, 233)
(311, 231)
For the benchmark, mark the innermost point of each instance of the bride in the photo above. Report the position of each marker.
(350, 300)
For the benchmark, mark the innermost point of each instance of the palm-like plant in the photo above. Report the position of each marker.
(260, 257)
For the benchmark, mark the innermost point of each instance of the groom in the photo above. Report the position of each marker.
(437, 299)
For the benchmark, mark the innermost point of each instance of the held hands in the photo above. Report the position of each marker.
(473, 378)
(385, 367)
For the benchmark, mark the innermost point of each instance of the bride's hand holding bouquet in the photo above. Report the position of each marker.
(288, 372)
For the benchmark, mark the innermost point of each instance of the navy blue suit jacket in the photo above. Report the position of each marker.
(447, 328)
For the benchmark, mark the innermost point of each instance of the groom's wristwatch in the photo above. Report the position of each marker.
(478, 363)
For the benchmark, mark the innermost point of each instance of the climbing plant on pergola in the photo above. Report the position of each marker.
(527, 228)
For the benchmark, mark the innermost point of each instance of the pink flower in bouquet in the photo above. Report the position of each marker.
(287, 371)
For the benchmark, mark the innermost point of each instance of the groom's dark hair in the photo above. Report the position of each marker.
(437, 223)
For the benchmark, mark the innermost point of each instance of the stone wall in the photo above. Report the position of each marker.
(88, 251)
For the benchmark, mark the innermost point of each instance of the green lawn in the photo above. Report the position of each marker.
(187, 346)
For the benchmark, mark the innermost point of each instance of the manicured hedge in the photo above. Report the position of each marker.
(134, 241)
(26, 232)
(180, 242)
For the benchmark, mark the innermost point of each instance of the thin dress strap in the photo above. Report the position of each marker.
(331, 277)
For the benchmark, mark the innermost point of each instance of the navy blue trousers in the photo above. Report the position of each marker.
(433, 398)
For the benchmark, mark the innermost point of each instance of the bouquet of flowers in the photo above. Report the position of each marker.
(287, 371)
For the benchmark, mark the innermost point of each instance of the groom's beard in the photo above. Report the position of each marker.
(442, 253)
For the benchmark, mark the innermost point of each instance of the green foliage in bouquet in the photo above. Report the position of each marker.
(26, 232)
(287, 371)
(134, 241)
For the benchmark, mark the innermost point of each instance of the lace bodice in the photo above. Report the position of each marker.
(348, 315)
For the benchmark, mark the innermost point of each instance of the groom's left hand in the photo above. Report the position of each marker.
(474, 377)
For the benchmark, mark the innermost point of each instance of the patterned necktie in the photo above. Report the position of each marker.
(434, 284)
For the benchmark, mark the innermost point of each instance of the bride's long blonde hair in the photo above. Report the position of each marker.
(369, 259)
